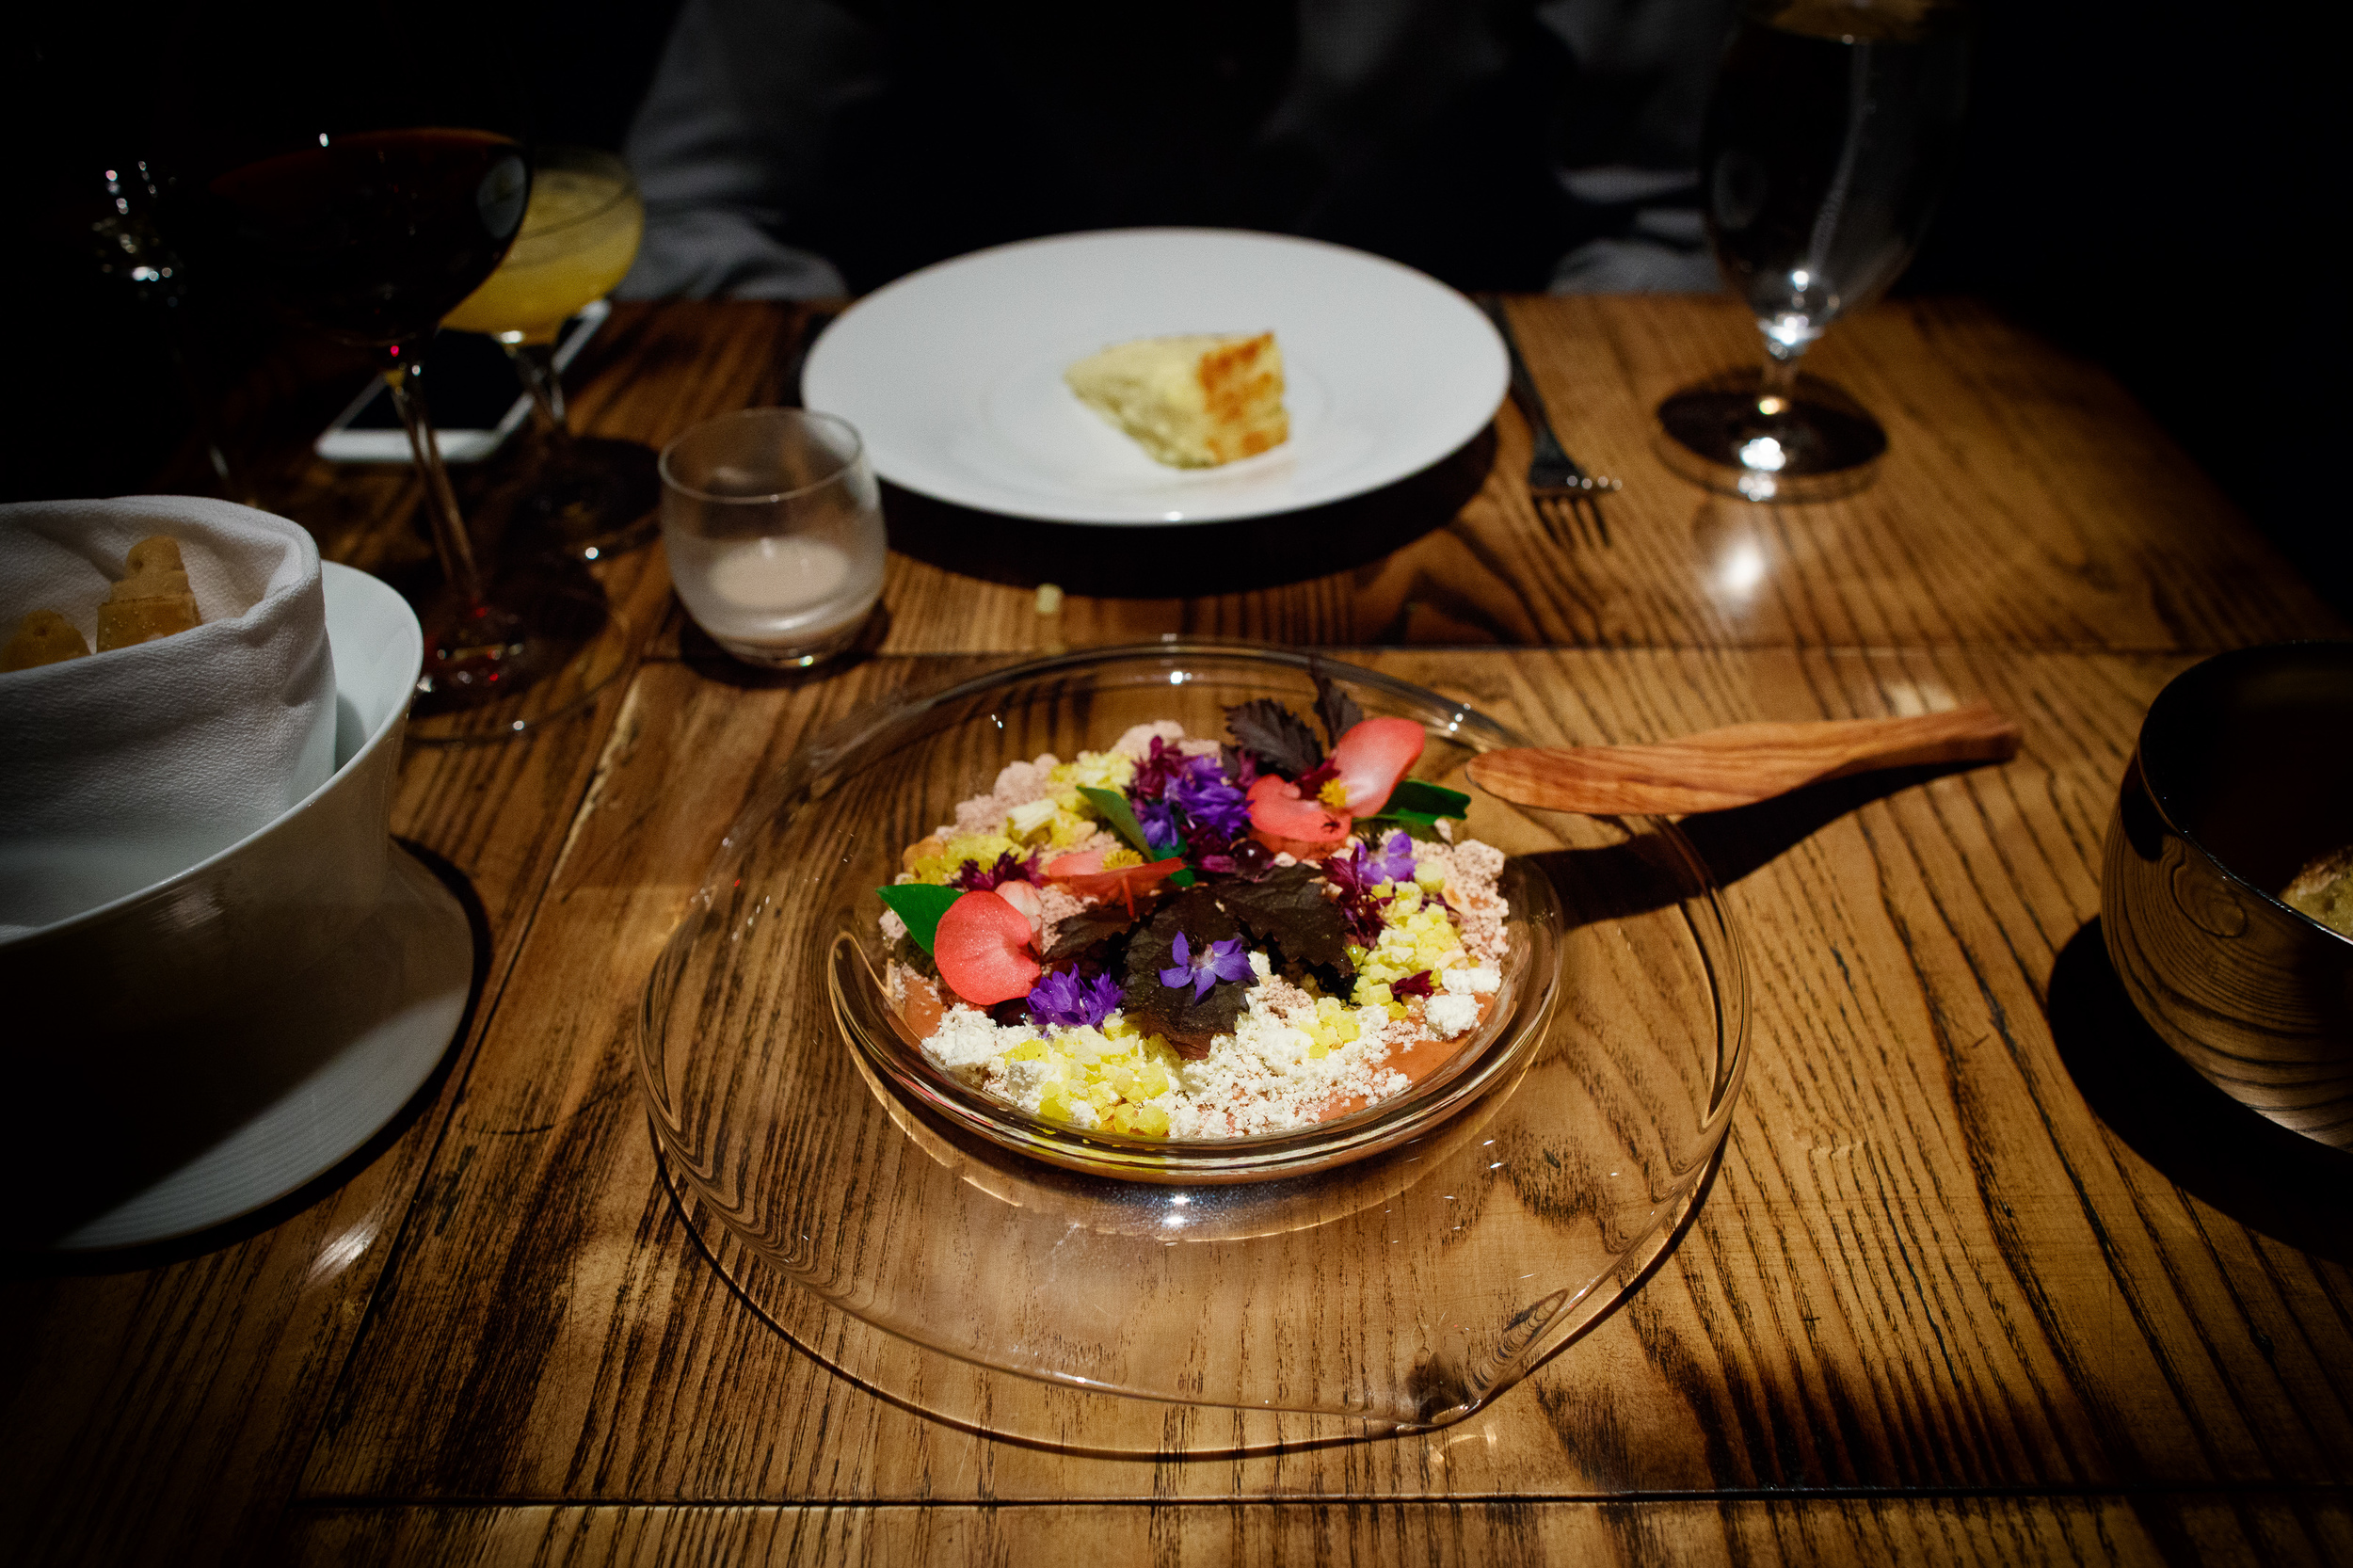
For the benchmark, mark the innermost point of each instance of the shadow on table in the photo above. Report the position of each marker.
(1194, 559)
(1650, 871)
(2267, 1179)
(62, 1178)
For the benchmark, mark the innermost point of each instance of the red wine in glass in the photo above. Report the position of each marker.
(370, 238)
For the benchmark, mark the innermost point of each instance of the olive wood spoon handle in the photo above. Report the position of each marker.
(1737, 765)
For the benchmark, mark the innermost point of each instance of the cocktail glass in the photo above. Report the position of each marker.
(596, 495)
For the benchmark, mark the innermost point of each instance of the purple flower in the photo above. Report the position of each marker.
(1392, 862)
(1159, 821)
(1359, 910)
(1062, 998)
(1201, 792)
(1223, 961)
(1152, 775)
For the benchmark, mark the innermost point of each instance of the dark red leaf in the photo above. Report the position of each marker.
(1279, 738)
(1335, 707)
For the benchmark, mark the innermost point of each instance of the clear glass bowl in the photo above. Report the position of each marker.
(1391, 1271)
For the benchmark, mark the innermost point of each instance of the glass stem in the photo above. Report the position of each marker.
(1780, 379)
(534, 363)
(450, 540)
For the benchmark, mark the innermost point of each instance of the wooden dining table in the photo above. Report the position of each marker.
(1985, 1274)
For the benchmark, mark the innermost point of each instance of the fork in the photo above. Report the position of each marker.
(1568, 501)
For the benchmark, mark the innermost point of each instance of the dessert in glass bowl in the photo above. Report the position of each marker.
(1191, 939)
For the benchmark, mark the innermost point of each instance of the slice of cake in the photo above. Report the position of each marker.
(1192, 401)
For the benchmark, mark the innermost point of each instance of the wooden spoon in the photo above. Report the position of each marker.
(1737, 765)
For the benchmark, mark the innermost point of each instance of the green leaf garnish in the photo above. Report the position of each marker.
(1122, 816)
(1123, 819)
(920, 904)
(1431, 800)
(1420, 805)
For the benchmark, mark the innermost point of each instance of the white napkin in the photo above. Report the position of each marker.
(124, 768)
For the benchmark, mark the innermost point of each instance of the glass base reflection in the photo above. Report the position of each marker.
(1811, 443)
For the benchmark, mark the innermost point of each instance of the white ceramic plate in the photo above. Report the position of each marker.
(954, 374)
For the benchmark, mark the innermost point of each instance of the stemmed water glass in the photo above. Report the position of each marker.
(364, 210)
(1832, 127)
(594, 495)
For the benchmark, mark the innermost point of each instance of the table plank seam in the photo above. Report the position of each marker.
(454, 1093)
(2320, 1490)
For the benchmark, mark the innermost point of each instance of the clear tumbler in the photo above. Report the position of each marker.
(775, 532)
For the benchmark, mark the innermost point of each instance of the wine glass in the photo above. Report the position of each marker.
(1829, 137)
(365, 209)
(595, 495)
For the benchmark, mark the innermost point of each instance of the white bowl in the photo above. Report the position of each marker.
(204, 1044)
(274, 902)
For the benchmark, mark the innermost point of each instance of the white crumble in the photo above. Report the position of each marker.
(1262, 1078)
(1450, 1013)
(1471, 870)
(967, 1041)
(1019, 785)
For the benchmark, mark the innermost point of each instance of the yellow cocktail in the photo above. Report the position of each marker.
(591, 495)
(579, 236)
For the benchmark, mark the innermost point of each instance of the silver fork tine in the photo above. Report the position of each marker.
(1553, 476)
(1596, 520)
(1564, 521)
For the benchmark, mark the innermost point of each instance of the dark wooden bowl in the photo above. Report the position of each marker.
(2244, 774)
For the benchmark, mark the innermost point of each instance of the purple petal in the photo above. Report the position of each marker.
(1396, 860)
(1229, 961)
(1101, 997)
(1050, 999)
(1157, 819)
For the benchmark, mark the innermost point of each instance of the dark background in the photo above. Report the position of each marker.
(2143, 183)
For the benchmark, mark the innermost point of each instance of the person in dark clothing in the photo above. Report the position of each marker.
(799, 148)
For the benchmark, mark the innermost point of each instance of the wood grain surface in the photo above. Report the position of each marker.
(1927, 1264)
(1986, 1275)
(1974, 1531)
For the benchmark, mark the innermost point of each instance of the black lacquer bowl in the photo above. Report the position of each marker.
(2243, 775)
